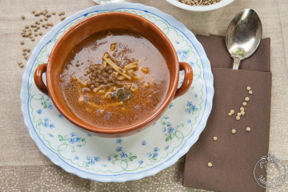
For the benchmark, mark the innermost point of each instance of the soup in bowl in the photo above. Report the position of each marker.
(113, 74)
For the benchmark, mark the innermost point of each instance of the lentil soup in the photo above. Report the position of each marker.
(110, 79)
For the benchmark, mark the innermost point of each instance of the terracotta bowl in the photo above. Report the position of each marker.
(106, 22)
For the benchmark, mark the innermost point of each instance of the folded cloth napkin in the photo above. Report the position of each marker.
(227, 151)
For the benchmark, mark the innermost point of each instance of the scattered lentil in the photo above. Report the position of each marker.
(210, 164)
(247, 98)
(248, 129)
(61, 13)
(232, 111)
(244, 103)
(234, 131)
(242, 109)
(242, 113)
(33, 30)
(248, 88)
(238, 118)
(250, 92)
(215, 138)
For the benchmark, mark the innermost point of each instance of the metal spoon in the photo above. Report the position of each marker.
(243, 36)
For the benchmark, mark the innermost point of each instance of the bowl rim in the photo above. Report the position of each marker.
(128, 128)
(200, 8)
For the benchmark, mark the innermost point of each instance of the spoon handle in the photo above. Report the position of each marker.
(236, 63)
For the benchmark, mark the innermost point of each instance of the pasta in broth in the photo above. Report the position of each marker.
(110, 79)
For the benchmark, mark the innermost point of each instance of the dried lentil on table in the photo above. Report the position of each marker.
(210, 164)
(248, 129)
(33, 30)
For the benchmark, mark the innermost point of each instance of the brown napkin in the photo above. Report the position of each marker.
(233, 156)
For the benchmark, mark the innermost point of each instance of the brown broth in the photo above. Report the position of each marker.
(95, 108)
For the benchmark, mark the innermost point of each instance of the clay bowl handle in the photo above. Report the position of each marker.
(188, 78)
(38, 78)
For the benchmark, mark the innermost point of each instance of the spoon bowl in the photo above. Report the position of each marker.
(243, 36)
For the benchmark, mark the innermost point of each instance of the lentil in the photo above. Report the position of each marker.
(234, 131)
(248, 129)
(210, 164)
(61, 13)
(199, 2)
(215, 138)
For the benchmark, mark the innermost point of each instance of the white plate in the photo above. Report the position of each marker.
(120, 159)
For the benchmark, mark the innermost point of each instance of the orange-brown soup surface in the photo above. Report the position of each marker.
(114, 79)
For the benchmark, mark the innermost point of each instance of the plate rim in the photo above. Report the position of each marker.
(188, 143)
